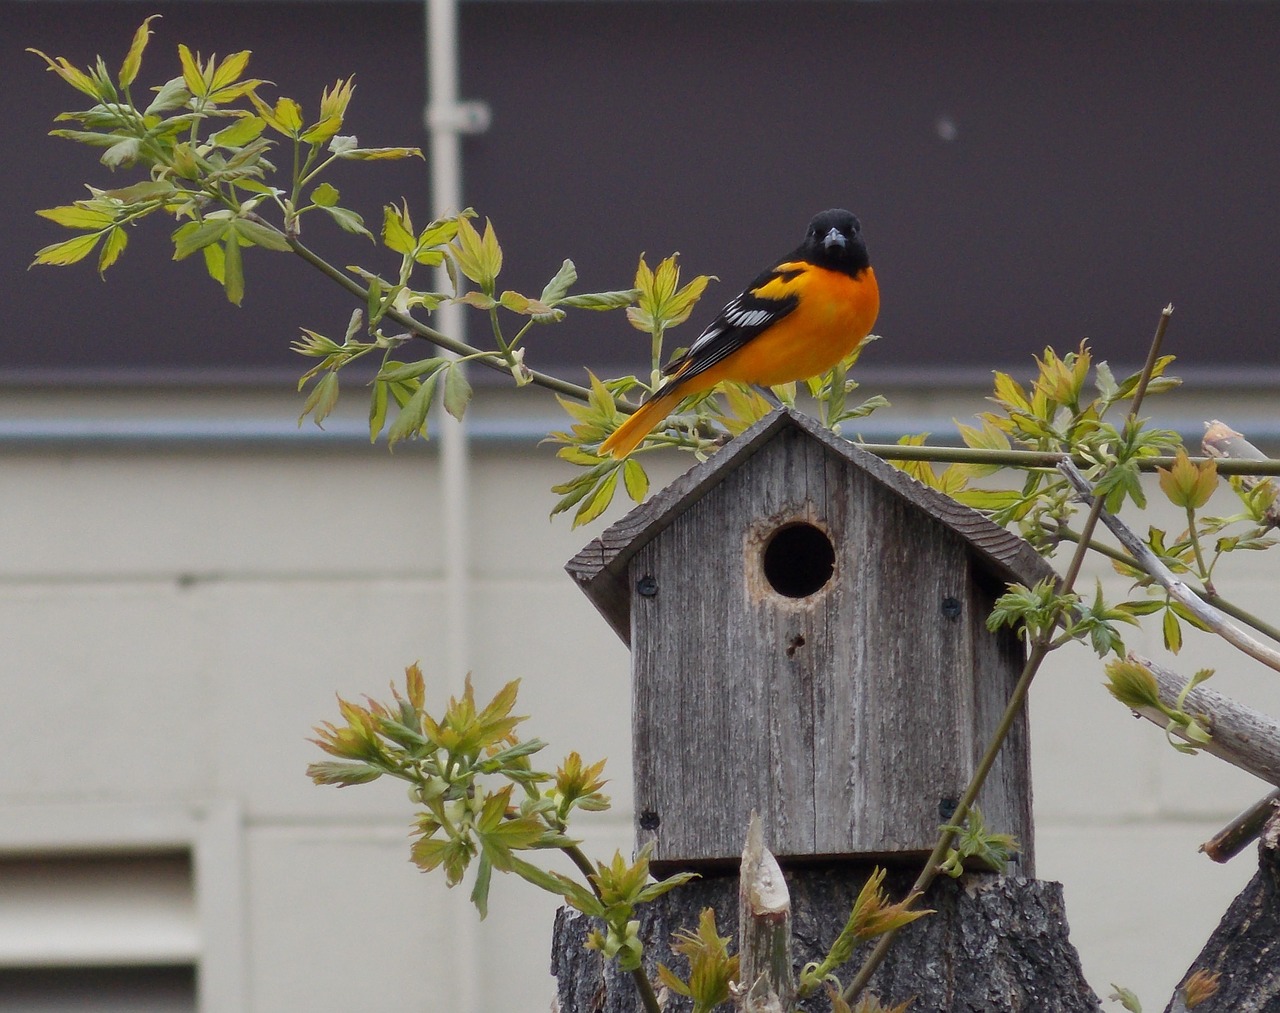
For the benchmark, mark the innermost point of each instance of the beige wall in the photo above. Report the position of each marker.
(175, 618)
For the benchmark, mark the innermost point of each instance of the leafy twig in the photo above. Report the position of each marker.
(1178, 590)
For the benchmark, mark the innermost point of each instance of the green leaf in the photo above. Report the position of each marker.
(229, 71)
(1142, 606)
(573, 493)
(112, 248)
(68, 251)
(392, 371)
(457, 391)
(601, 300)
(1106, 382)
(74, 76)
(261, 235)
(347, 220)
(377, 410)
(559, 286)
(123, 152)
(341, 773)
(289, 114)
(1172, 631)
(635, 479)
(480, 890)
(173, 94)
(478, 299)
(438, 233)
(518, 303)
(78, 216)
(1126, 999)
(245, 129)
(378, 154)
(325, 195)
(395, 235)
(989, 499)
(232, 269)
(596, 504)
(323, 397)
(573, 892)
(196, 235)
(412, 418)
(214, 262)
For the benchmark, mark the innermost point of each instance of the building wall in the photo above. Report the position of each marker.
(178, 614)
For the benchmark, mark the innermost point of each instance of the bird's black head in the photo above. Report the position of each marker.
(834, 240)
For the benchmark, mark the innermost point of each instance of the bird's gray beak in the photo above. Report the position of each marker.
(834, 238)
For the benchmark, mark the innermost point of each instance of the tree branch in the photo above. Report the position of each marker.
(1236, 835)
(764, 928)
(1048, 459)
(1216, 620)
(1224, 443)
(1244, 737)
(1215, 599)
(420, 330)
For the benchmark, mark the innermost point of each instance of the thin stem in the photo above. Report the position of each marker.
(1049, 459)
(1194, 535)
(1236, 612)
(1153, 354)
(1212, 597)
(309, 176)
(421, 330)
(643, 985)
(889, 452)
(1179, 590)
(583, 863)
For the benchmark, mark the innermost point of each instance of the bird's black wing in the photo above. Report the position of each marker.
(743, 317)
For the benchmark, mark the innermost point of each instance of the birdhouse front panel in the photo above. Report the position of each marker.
(810, 645)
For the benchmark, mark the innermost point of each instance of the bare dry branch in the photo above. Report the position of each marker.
(1241, 735)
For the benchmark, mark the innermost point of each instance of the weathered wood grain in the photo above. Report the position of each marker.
(600, 568)
(850, 719)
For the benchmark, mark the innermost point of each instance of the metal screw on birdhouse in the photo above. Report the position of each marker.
(647, 586)
(947, 807)
(951, 608)
(649, 820)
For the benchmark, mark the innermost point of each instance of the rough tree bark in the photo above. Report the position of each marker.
(1245, 947)
(995, 944)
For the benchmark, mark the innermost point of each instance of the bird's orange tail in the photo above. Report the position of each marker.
(627, 436)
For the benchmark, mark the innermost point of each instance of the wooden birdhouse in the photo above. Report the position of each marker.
(808, 640)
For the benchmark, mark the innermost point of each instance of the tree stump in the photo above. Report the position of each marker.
(995, 943)
(1245, 947)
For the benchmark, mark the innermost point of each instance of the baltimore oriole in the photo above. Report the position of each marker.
(796, 320)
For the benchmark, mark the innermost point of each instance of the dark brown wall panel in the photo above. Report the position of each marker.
(1026, 172)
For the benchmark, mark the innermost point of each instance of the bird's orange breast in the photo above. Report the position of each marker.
(834, 314)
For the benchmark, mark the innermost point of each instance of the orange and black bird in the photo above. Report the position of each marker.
(796, 320)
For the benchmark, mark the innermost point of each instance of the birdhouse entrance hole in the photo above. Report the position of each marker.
(799, 560)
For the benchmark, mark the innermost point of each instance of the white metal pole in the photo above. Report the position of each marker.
(446, 197)
(446, 119)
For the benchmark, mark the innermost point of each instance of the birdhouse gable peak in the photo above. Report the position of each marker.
(601, 567)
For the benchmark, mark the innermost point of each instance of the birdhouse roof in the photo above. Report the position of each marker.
(600, 569)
